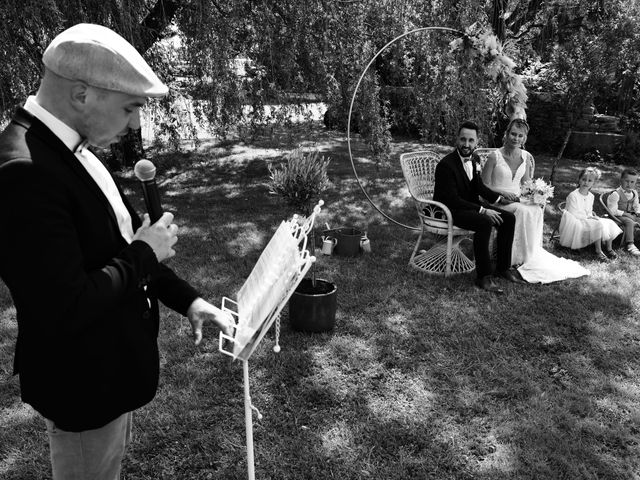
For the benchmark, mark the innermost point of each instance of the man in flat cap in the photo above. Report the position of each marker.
(85, 273)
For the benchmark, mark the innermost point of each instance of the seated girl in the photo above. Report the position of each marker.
(580, 226)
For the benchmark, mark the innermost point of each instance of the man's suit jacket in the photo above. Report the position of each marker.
(455, 190)
(86, 301)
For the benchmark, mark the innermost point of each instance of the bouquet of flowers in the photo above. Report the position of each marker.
(536, 191)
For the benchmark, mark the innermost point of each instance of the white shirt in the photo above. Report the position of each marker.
(468, 166)
(92, 165)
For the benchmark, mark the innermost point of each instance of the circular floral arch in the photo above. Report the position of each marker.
(498, 67)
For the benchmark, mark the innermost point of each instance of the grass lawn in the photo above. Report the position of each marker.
(422, 378)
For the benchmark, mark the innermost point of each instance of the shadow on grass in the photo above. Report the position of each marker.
(423, 377)
(451, 390)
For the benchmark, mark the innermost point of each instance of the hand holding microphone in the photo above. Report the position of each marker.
(157, 228)
(145, 171)
(161, 236)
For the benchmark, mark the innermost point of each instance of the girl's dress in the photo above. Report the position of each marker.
(577, 230)
(536, 264)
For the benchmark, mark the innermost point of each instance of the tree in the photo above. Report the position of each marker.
(291, 49)
(26, 32)
(589, 51)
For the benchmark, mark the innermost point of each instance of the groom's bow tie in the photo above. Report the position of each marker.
(81, 147)
(466, 159)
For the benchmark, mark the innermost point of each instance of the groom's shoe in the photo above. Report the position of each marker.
(512, 275)
(487, 283)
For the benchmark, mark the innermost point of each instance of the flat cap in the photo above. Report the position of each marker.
(100, 57)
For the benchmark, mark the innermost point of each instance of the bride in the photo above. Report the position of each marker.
(505, 170)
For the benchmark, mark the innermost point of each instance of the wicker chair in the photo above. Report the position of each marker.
(445, 257)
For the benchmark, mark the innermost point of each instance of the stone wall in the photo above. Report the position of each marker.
(550, 119)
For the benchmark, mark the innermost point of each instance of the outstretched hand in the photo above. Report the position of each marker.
(201, 311)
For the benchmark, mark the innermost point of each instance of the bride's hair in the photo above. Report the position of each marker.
(517, 122)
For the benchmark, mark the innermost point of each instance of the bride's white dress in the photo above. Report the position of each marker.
(536, 264)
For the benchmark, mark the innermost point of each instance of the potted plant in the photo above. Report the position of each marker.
(299, 182)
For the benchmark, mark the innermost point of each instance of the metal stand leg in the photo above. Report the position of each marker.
(248, 420)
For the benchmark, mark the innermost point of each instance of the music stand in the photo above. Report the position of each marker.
(282, 265)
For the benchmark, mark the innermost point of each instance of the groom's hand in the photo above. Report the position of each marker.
(495, 217)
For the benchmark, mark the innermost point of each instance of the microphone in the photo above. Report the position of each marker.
(145, 171)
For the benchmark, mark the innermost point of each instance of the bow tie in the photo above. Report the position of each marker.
(81, 146)
(466, 159)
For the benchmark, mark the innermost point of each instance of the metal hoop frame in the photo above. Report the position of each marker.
(353, 98)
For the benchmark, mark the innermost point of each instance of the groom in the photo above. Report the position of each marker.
(459, 186)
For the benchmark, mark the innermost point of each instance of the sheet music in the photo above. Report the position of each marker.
(278, 271)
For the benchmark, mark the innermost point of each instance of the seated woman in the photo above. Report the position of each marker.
(506, 169)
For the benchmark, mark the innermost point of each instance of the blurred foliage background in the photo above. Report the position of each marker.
(225, 62)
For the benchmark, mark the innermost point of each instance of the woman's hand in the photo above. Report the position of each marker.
(512, 197)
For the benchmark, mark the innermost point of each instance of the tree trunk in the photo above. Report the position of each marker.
(129, 149)
(497, 19)
(156, 21)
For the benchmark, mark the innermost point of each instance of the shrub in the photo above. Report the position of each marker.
(595, 156)
(301, 179)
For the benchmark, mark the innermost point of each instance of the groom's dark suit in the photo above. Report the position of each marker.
(462, 196)
(86, 300)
